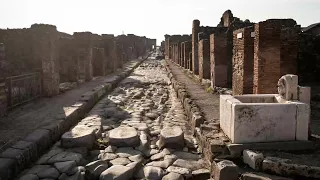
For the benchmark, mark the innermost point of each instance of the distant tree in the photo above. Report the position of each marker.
(247, 21)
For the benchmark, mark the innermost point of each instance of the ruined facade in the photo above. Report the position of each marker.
(275, 53)
(242, 62)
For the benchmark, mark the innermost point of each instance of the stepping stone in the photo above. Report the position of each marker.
(79, 136)
(107, 156)
(125, 152)
(171, 137)
(117, 172)
(179, 170)
(124, 137)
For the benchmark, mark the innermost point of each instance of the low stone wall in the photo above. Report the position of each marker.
(21, 154)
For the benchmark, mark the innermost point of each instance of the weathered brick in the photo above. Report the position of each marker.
(204, 59)
(242, 61)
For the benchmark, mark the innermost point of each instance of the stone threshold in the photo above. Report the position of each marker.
(216, 148)
(21, 154)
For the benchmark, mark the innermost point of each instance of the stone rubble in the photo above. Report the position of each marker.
(138, 131)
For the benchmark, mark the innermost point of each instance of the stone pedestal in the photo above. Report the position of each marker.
(204, 59)
(242, 61)
(45, 50)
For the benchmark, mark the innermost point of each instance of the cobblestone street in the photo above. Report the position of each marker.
(142, 133)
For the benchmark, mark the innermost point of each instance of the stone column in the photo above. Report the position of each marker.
(45, 50)
(219, 60)
(99, 62)
(83, 42)
(3, 94)
(190, 61)
(275, 53)
(195, 31)
(187, 50)
(242, 61)
(204, 59)
(182, 55)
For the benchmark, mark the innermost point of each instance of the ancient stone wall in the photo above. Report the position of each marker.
(3, 94)
(204, 59)
(19, 52)
(98, 62)
(68, 60)
(84, 44)
(270, 42)
(243, 61)
(219, 59)
(45, 48)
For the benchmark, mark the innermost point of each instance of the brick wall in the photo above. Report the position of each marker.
(204, 59)
(242, 61)
(195, 61)
(272, 57)
(219, 59)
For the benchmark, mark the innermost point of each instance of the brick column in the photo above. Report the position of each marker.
(195, 31)
(46, 50)
(99, 62)
(166, 47)
(275, 53)
(242, 62)
(219, 59)
(190, 61)
(204, 59)
(3, 94)
(84, 51)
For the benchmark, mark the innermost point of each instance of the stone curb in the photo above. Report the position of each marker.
(14, 159)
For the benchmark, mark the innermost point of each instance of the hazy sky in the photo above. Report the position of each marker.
(151, 18)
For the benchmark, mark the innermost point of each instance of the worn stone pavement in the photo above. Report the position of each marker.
(26, 118)
(142, 133)
(209, 103)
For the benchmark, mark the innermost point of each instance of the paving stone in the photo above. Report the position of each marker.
(65, 156)
(152, 115)
(183, 171)
(120, 161)
(117, 172)
(95, 168)
(173, 176)
(261, 176)
(172, 137)
(124, 137)
(201, 174)
(110, 149)
(107, 156)
(186, 155)
(226, 170)
(189, 164)
(65, 167)
(29, 177)
(49, 173)
(150, 172)
(125, 152)
(136, 158)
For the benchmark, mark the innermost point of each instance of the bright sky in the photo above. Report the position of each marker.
(151, 18)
